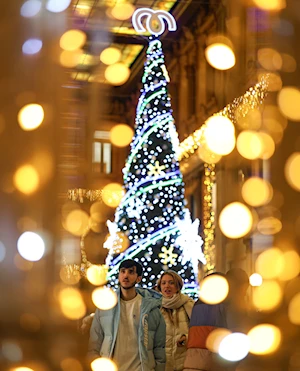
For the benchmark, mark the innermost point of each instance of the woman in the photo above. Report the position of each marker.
(176, 310)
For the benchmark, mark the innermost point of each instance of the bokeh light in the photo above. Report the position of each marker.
(97, 274)
(26, 179)
(291, 265)
(255, 280)
(103, 364)
(208, 156)
(269, 59)
(71, 303)
(249, 144)
(220, 55)
(272, 5)
(264, 339)
(121, 135)
(291, 171)
(2, 251)
(22, 369)
(214, 339)
(256, 191)
(110, 56)
(11, 351)
(268, 296)
(70, 59)
(72, 40)
(71, 364)
(234, 347)
(269, 225)
(219, 135)
(31, 246)
(214, 289)
(235, 220)
(294, 310)
(250, 121)
(112, 194)
(270, 263)
(32, 46)
(69, 276)
(268, 145)
(57, 6)
(31, 8)
(77, 222)
(31, 116)
(104, 298)
(117, 74)
(122, 11)
(289, 102)
(289, 63)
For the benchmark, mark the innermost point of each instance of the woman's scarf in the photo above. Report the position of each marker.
(176, 301)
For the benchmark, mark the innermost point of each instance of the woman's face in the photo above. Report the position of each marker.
(168, 286)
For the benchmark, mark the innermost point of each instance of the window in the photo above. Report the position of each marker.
(102, 151)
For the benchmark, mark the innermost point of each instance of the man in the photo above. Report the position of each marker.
(133, 333)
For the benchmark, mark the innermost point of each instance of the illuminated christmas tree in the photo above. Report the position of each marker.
(152, 220)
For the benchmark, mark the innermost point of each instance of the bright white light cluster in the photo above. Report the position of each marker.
(153, 206)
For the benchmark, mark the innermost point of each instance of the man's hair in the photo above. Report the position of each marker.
(237, 277)
(177, 279)
(132, 263)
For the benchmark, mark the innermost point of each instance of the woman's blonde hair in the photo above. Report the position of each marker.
(177, 279)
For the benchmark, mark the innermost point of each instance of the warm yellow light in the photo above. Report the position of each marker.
(268, 146)
(31, 116)
(235, 220)
(264, 339)
(291, 265)
(70, 59)
(215, 337)
(257, 191)
(269, 59)
(234, 347)
(219, 135)
(77, 222)
(122, 11)
(274, 80)
(71, 303)
(289, 102)
(249, 144)
(249, 121)
(208, 156)
(272, 5)
(73, 364)
(104, 298)
(112, 194)
(294, 310)
(269, 225)
(291, 171)
(289, 63)
(117, 74)
(96, 274)
(69, 276)
(26, 179)
(220, 56)
(268, 296)
(103, 364)
(214, 289)
(121, 135)
(72, 40)
(270, 263)
(110, 56)
(255, 280)
(22, 369)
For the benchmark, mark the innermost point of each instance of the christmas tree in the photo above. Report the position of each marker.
(152, 216)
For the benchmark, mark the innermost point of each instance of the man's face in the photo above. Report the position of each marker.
(128, 278)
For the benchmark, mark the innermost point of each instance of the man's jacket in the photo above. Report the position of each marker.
(151, 336)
